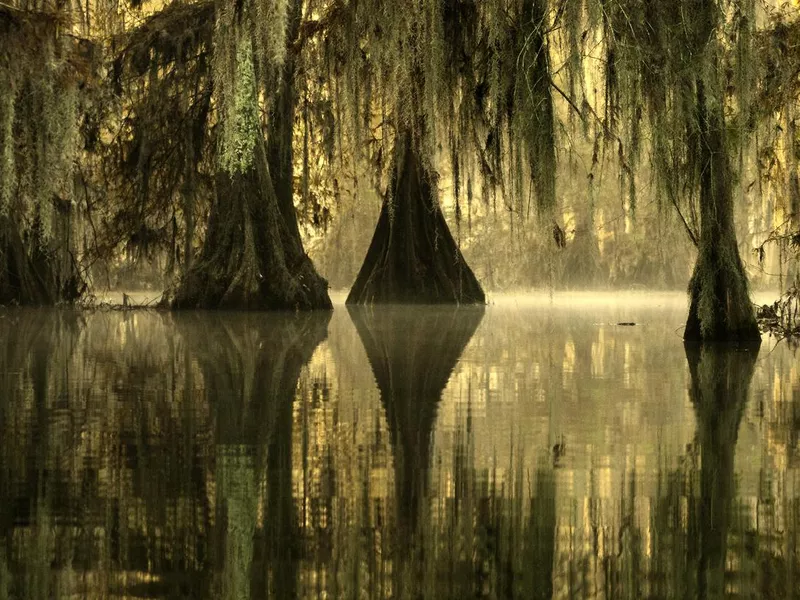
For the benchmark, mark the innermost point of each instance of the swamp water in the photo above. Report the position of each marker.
(526, 450)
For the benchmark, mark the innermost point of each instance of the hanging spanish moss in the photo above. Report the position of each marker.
(532, 125)
(238, 99)
(240, 30)
(271, 22)
(471, 77)
(8, 176)
(40, 72)
(252, 256)
(777, 152)
(668, 59)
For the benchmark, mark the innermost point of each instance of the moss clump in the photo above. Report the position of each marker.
(240, 119)
(41, 73)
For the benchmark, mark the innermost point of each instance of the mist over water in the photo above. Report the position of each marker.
(536, 447)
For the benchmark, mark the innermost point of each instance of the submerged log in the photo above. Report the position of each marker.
(412, 355)
(413, 257)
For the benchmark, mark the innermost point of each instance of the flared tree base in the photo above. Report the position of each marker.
(720, 309)
(413, 258)
(208, 286)
(252, 258)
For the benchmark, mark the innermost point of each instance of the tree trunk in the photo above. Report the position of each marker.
(793, 194)
(35, 272)
(280, 155)
(413, 257)
(412, 354)
(720, 307)
(581, 257)
(252, 257)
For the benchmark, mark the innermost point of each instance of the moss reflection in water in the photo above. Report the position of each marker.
(390, 454)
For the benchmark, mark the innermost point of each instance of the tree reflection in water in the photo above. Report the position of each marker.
(139, 462)
(212, 455)
(720, 382)
(476, 540)
(685, 548)
(250, 365)
(412, 355)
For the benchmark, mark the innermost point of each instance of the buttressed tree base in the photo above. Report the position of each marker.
(413, 257)
(252, 258)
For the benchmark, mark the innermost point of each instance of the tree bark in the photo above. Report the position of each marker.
(252, 257)
(720, 307)
(280, 155)
(413, 257)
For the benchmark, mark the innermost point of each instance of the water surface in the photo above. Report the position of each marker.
(531, 449)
